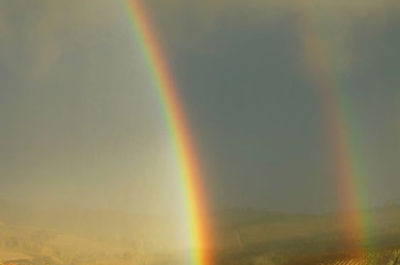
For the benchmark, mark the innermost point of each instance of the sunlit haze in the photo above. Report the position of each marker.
(199, 132)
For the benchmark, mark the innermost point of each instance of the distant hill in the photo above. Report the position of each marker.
(245, 234)
(60, 235)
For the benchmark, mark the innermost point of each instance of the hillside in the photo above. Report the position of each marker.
(241, 237)
(279, 238)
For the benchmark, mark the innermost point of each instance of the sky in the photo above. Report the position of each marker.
(81, 121)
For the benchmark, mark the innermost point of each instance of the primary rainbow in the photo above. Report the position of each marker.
(321, 56)
(195, 201)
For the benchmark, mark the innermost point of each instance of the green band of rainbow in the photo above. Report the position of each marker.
(195, 201)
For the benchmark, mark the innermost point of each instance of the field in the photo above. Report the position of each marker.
(242, 237)
(273, 238)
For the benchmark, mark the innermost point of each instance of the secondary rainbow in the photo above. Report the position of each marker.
(325, 70)
(190, 175)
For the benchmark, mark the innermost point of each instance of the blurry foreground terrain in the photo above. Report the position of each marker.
(243, 237)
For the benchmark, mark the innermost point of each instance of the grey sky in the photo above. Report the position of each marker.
(80, 119)
(81, 122)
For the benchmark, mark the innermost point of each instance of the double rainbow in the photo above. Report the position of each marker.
(327, 77)
(190, 176)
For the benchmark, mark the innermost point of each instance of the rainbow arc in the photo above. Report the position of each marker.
(322, 60)
(190, 175)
